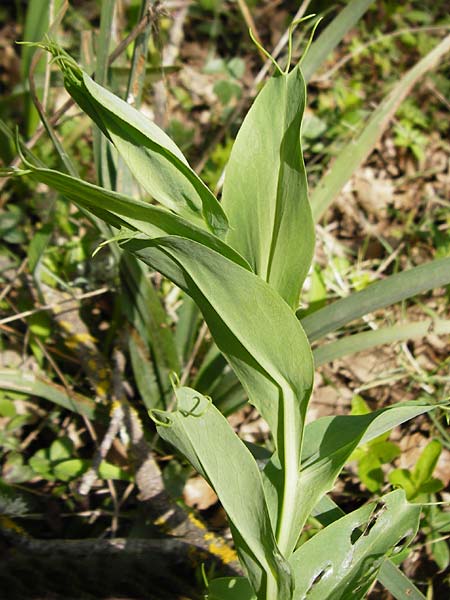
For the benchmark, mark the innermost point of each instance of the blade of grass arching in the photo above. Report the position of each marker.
(31, 384)
(386, 335)
(102, 156)
(394, 580)
(332, 35)
(36, 24)
(356, 151)
(395, 288)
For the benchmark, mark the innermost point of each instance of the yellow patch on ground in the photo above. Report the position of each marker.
(196, 521)
(66, 325)
(92, 364)
(102, 374)
(226, 554)
(102, 387)
(80, 338)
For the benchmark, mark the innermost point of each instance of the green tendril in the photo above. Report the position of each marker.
(265, 52)
(174, 381)
(152, 414)
(191, 413)
(292, 27)
(308, 45)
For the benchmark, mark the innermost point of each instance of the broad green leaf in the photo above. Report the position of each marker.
(265, 191)
(230, 588)
(395, 288)
(61, 448)
(153, 158)
(342, 560)
(250, 324)
(351, 157)
(235, 303)
(203, 435)
(431, 486)
(36, 385)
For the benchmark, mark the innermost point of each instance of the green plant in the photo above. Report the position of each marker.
(244, 262)
(372, 455)
(419, 480)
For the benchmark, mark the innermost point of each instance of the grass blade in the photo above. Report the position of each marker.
(36, 24)
(35, 385)
(400, 586)
(395, 288)
(386, 335)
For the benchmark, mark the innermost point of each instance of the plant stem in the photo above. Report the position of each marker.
(290, 456)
